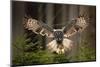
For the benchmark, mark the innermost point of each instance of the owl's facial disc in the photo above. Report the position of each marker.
(58, 36)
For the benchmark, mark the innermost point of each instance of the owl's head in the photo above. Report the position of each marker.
(58, 35)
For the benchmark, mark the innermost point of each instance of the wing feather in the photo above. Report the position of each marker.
(38, 27)
(79, 26)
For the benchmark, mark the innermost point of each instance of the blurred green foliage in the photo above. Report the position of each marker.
(24, 53)
(87, 47)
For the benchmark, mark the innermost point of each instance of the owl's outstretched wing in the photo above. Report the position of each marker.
(38, 27)
(79, 25)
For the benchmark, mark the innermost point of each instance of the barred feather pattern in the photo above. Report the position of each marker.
(36, 27)
(80, 25)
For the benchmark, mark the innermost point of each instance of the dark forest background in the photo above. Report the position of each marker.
(29, 49)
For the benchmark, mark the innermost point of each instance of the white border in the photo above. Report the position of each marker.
(5, 33)
(82, 2)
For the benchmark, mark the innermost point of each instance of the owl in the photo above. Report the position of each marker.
(60, 42)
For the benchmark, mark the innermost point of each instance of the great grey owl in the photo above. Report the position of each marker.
(61, 42)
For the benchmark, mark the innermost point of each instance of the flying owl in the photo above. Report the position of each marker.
(60, 42)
